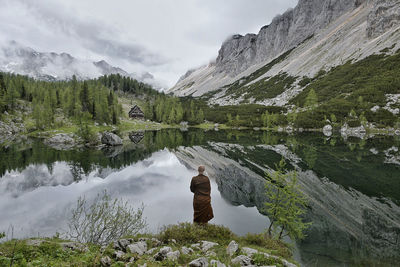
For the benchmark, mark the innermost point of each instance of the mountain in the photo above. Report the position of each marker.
(19, 59)
(316, 35)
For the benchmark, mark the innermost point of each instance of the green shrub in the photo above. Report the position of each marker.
(187, 233)
(354, 123)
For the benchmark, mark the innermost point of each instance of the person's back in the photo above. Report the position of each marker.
(201, 187)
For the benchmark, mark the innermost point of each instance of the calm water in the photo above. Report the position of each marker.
(353, 186)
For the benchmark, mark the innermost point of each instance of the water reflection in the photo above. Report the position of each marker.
(353, 185)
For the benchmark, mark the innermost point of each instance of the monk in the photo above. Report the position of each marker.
(201, 188)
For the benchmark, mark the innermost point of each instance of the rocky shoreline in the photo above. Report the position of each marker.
(225, 249)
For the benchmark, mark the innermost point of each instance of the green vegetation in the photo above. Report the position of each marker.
(54, 252)
(286, 204)
(104, 220)
(355, 86)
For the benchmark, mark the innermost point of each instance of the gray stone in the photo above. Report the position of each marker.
(123, 244)
(162, 254)
(118, 255)
(186, 251)
(61, 141)
(35, 242)
(151, 251)
(156, 242)
(215, 263)
(200, 262)
(211, 254)
(242, 260)
(105, 261)
(173, 255)
(74, 246)
(327, 130)
(196, 246)
(111, 139)
(206, 245)
(249, 251)
(232, 247)
(137, 248)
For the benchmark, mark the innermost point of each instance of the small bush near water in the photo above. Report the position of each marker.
(104, 221)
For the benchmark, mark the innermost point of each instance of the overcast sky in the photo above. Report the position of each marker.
(163, 37)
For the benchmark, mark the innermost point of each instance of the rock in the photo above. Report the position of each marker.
(151, 251)
(61, 141)
(144, 265)
(211, 254)
(383, 16)
(172, 241)
(173, 255)
(327, 130)
(155, 241)
(200, 262)
(215, 263)
(118, 255)
(162, 254)
(105, 261)
(132, 259)
(196, 246)
(35, 242)
(123, 244)
(137, 248)
(186, 251)
(249, 251)
(242, 260)
(232, 248)
(375, 108)
(288, 264)
(74, 246)
(206, 245)
(111, 139)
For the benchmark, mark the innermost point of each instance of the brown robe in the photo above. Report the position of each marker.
(201, 188)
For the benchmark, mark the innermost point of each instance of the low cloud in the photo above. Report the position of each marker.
(164, 37)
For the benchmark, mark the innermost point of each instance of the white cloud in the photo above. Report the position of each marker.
(164, 37)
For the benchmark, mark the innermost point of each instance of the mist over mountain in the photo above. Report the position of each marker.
(19, 59)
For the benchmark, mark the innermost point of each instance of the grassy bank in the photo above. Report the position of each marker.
(57, 252)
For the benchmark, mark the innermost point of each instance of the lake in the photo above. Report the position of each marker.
(353, 186)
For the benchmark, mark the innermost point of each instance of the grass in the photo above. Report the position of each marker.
(50, 251)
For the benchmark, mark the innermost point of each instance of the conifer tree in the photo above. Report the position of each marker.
(286, 204)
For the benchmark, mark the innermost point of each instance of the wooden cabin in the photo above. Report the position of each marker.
(136, 113)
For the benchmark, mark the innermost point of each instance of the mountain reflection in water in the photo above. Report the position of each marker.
(353, 186)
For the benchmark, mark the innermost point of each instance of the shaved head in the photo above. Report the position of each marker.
(201, 169)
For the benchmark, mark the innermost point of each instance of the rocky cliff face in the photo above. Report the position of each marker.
(319, 34)
(285, 32)
(384, 15)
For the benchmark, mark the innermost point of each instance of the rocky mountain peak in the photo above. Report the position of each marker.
(286, 31)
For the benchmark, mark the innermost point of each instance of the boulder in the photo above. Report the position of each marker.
(215, 263)
(105, 261)
(173, 255)
(242, 260)
(118, 255)
(232, 248)
(206, 245)
(111, 139)
(249, 251)
(200, 262)
(151, 251)
(61, 141)
(186, 251)
(137, 248)
(327, 130)
(162, 254)
(123, 244)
